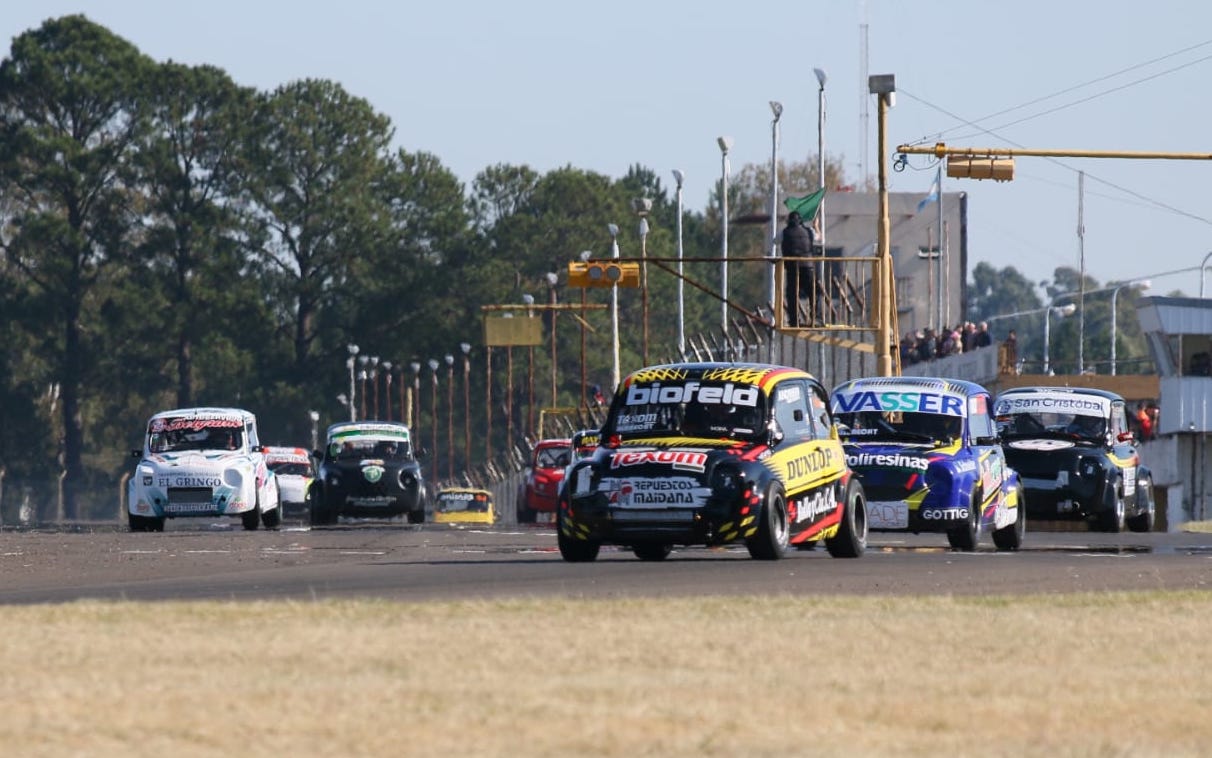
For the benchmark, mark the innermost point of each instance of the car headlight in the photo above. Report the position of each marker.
(408, 479)
(233, 477)
(727, 481)
(334, 480)
(1089, 467)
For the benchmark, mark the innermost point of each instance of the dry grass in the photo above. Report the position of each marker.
(1203, 527)
(1088, 675)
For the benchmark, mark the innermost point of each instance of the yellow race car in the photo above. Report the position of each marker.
(464, 505)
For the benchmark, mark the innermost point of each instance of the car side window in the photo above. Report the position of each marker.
(818, 404)
(980, 423)
(791, 410)
(1119, 420)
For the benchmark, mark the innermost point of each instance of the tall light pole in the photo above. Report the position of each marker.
(552, 280)
(449, 417)
(725, 144)
(584, 256)
(615, 375)
(529, 300)
(680, 178)
(414, 402)
(374, 382)
(362, 373)
(883, 86)
(821, 78)
(1203, 266)
(1144, 285)
(387, 389)
(777, 109)
(433, 416)
(315, 429)
(353, 354)
(466, 348)
(488, 403)
(1061, 311)
(643, 206)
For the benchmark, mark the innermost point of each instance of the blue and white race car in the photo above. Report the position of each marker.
(927, 453)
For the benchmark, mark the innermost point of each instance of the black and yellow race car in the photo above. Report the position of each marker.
(711, 454)
(1076, 456)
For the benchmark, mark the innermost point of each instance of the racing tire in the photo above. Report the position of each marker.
(272, 519)
(525, 515)
(251, 519)
(967, 536)
(576, 551)
(1144, 521)
(1113, 518)
(318, 514)
(416, 517)
(773, 532)
(652, 551)
(851, 538)
(1010, 537)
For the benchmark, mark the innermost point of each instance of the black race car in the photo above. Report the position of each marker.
(710, 454)
(367, 469)
(1076, 457)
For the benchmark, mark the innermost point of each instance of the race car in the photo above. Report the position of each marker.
(293, 468)
(367, 468)
(541, 482)
(712, 454)
(927, 452)
(1076, 456)
(202, 462)
(463, 505)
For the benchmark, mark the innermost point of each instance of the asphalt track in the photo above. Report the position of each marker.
(215, 559)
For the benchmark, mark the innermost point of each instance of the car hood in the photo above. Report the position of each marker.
(197, 461)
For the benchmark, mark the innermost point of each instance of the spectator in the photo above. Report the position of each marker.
(1154, 413)
(982, 338)
(799, 276)
(908, 349)
(1010, 346)
(1144, 424)
(969, 336)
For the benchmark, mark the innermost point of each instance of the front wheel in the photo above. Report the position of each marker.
(251, 519)
(1112, 519)
(851, 538)
(965, 537)
(145, 523)
(1010, 537)
(1145, 520)
(770, 542)
(272, 519)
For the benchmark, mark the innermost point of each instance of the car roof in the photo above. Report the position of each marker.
(396, 429)
(764, 375)
(553, 442)
(207, 412)
(286, 452)
(1112, 396)
(937, 383)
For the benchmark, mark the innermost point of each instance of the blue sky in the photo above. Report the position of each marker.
(603, 86)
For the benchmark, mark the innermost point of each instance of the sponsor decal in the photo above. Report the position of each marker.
(810, 463)
(991, 473)
(456, 496)
(678, 459)
(193, 423)
(635, 422)
(657, 393)
(373, 473)
(818, 504)
(887, 514)
(892, 400)
(789, 393)
(966, 466)
(889, 460)
(1054, 403)
(189, 481)
(1045, 446)
(944, 514)
(630, 494)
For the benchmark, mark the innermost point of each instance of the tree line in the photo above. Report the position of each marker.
(171, 238)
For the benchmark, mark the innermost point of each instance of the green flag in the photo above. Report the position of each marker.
(805, 206)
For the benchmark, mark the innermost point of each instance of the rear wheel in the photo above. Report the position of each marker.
(417, 516)
(965, 537)
(1144, 521)
(1010, 537)
(318, 513)
(770, 542)
(851, 538)
(273, 519)
(652, 551)
(574, 550)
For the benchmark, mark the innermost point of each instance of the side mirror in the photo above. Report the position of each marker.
(774, 434)
(986, 441)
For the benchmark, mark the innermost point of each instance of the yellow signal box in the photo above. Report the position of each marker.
(603, 274)
(998, 169)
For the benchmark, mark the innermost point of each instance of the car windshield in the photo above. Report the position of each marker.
(177, 435)
(359, 448)
(1052, 424)
(899, 426)
(553, 457)
(714, 420)
(288, 468)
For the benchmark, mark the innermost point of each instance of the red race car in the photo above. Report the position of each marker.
(541, 487)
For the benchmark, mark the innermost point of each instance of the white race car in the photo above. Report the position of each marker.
(294, 471)
(202, 462)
